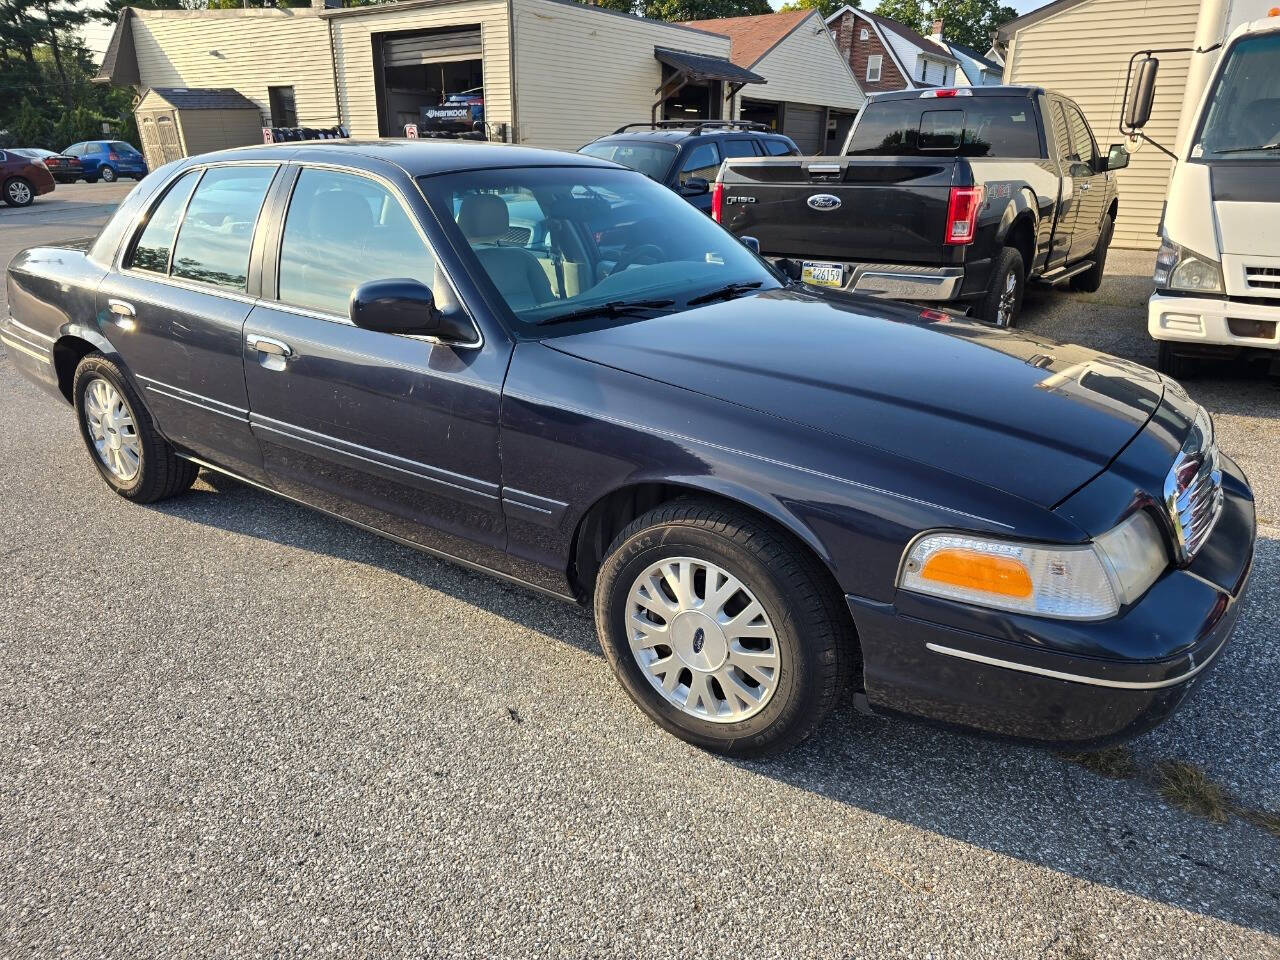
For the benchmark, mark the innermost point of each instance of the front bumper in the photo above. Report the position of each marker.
(1070, 683)
(1207, 321)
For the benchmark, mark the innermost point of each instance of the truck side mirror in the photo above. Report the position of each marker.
(1117, 157)
(1143, 93)
(695, 186)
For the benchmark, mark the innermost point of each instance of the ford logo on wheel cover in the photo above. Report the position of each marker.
(823, 201)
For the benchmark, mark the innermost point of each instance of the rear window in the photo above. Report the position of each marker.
(965, 127)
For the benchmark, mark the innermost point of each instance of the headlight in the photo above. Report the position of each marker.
(1177, 268)
(1087, 582)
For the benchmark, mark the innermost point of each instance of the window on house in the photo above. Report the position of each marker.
(862, 34)
(284, 109)
(874, 64)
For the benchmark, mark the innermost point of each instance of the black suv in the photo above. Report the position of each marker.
(686, 154)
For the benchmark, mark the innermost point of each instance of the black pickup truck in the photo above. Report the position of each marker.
(946, 195)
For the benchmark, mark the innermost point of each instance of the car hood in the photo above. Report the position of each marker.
(1025, 415)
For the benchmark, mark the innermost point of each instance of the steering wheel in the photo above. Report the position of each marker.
(646, 252)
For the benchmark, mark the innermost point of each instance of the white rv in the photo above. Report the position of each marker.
(1217, 273)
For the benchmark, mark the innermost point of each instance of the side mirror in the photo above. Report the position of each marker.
(1117, 157)
(751, 243)
(395, 306)
(695, 186)
(1138, 110)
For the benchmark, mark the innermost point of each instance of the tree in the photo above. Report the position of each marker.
(967, 22)
(679, 10)
(824, 7)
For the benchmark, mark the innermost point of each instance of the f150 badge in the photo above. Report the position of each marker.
(823, 201)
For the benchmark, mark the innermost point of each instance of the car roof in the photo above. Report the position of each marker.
(1011, 90)
(418, 158)
(678, 135)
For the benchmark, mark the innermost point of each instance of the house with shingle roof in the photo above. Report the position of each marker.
(886, 55)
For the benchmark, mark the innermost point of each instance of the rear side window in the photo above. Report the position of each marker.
(703, 161)
(151, 252)
(739, 148)
(213, 241)
(343, 230)
(968, 127)
(778, 148)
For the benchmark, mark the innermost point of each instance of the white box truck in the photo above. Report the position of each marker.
(1217, 274)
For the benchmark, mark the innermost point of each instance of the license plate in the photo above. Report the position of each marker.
(822, 274)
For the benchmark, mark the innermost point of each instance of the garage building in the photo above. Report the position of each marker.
(553, 73)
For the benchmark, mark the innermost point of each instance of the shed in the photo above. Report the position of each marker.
(1081, 49)
(176, 122)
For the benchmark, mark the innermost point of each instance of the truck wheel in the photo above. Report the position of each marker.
(1003, 299)
(725, 632)
(134, 460)
(1091, 279)
(1174, 364)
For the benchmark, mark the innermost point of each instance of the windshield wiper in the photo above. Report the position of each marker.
(614, 308)
(1273, 145)
(724, 293)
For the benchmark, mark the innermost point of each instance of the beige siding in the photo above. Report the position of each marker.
(249, 50)
(807, 67)
(609, 55)
(353, 50)
(206, 130)
(1083, 53)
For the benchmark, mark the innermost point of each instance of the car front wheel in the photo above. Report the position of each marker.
(723, 630)
(134, 460)
(18, 193)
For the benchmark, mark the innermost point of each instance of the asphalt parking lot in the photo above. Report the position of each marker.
(233, 727)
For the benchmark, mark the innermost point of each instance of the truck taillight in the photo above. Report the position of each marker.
(962, 213)
(717, 201)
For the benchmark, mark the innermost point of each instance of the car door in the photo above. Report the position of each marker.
(1061, 151)
(175, 309)
(398, 433)
(1090, 182)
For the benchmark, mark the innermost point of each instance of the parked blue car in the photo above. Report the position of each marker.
(108, 160)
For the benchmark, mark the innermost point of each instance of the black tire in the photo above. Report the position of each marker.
(107, 173)
(1091, 280)
(161, 472)
(18, 192)
(1169, 361)
(991, 307)
(90, 179)
(814, 635)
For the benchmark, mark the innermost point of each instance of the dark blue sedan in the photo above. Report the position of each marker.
(550, 368)
(108, 160)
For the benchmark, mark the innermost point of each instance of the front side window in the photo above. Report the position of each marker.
(610, 239)
(151, 252)
(1082, 146)
(343, 230)
(651, 159)
(1242, 114)
(702, 161)
(217, 231)
(874, 64)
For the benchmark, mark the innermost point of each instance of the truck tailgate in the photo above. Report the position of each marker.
(891, 209)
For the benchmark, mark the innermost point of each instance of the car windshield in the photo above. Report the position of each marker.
(1242, 114)
(652, 159)
(590, 243)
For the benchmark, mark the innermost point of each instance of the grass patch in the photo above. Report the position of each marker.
(1265, 819)
(1115, 763)
(1186, 786)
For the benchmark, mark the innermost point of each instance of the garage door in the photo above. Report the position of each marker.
(804, 125)
(431, 48)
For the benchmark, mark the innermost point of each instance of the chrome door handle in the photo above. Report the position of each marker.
(1085, 186)
(121, 308)
(277, 348)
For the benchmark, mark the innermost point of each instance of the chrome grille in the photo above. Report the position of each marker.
(1193, 488)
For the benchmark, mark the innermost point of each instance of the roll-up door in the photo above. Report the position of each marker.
(805, 126)
(431, 48)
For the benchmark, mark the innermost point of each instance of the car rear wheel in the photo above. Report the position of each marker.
(108, 174)
(721, 629)
(134, 460)
(18, 192)
(1091, 279)
(1003, 300)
